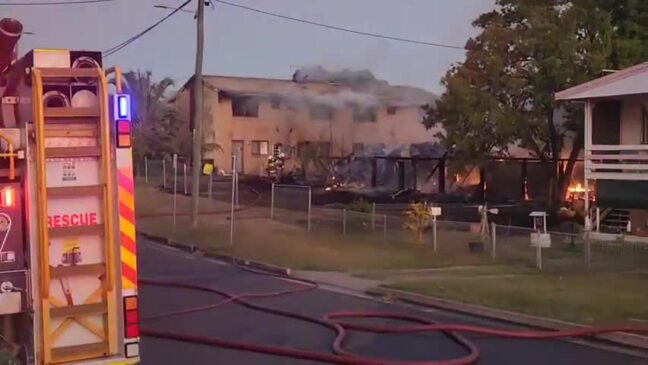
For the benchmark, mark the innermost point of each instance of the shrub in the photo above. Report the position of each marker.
(418, 219)
(360, 205)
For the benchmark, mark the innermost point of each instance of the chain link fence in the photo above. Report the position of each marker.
(291, 203)
(471, 243)
(445, 241)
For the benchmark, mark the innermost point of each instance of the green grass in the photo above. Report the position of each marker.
(596, 298)
(150, 201)
(287, 245)
(563, 290)
(293, 246)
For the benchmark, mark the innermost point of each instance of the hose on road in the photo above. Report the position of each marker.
(334, 322)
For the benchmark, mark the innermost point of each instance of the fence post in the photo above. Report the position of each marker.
(343, 221)
(310, 201)
(184, 167)
(493, 240)
(588, 252)
(237, 189)
(146, 169)
(598, 219)
(434, 232)
(175, 190)
(210, 186)
(373, 217)
(234, 182)
(163, 173)
(539, 255)
(384, 228)
(272, 198)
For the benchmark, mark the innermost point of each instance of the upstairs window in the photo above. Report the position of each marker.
(275, 102)
(364, 114)
(392, 110)
(245, 106)
(321, 112)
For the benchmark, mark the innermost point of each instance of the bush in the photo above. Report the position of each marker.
(360, 205)
(418, 219)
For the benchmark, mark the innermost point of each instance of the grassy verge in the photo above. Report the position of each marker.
(596, 298)
(561, 291)
(290, 245)
(286, 245)
(150, 201)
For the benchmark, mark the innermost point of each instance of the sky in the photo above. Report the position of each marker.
(243, 43)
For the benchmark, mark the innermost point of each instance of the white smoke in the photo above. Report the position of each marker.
(336, 99)
(342, 99)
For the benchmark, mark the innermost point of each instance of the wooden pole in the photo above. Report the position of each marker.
(197, 105)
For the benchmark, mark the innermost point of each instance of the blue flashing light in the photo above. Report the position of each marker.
(122, 107)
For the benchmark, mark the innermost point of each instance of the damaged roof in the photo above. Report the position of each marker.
(630, 81)
(392, 95)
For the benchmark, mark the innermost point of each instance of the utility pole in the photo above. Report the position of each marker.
(197, 105)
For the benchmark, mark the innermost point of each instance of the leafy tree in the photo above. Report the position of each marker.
(502, 94)
(158, 130)
(629, 32)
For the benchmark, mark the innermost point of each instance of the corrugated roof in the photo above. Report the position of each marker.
(630, 81)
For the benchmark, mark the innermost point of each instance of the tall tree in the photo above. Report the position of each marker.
(502, 94)
(157, 129)
(629, 20)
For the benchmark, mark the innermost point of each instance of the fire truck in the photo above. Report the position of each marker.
(68, 258)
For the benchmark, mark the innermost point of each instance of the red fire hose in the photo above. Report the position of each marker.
(331, 321)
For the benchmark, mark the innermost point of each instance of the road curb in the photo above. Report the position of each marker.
(191, 248)
(251, 263)
(619, 338)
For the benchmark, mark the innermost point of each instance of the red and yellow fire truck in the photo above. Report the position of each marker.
(68, 262)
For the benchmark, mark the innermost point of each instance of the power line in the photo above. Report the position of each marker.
(43, 3)
(173, 8)
(348, 30)
(132, 39)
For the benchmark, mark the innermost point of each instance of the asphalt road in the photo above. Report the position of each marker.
(236, 323)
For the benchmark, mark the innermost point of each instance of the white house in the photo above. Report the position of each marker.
(616, 148)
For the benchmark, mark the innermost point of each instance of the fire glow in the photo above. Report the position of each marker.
(577, 191)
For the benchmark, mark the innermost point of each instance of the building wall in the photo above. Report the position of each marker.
(289, 127)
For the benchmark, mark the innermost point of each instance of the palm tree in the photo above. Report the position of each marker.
(158, 130)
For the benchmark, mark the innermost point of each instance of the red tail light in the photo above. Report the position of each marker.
(132, 330)
(131, 317)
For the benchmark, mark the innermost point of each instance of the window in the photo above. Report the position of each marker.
(260, 148)
(245, 106)
(358, 148)
(321, 112)
(392, 110)
(275, 102)
(364, 114)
